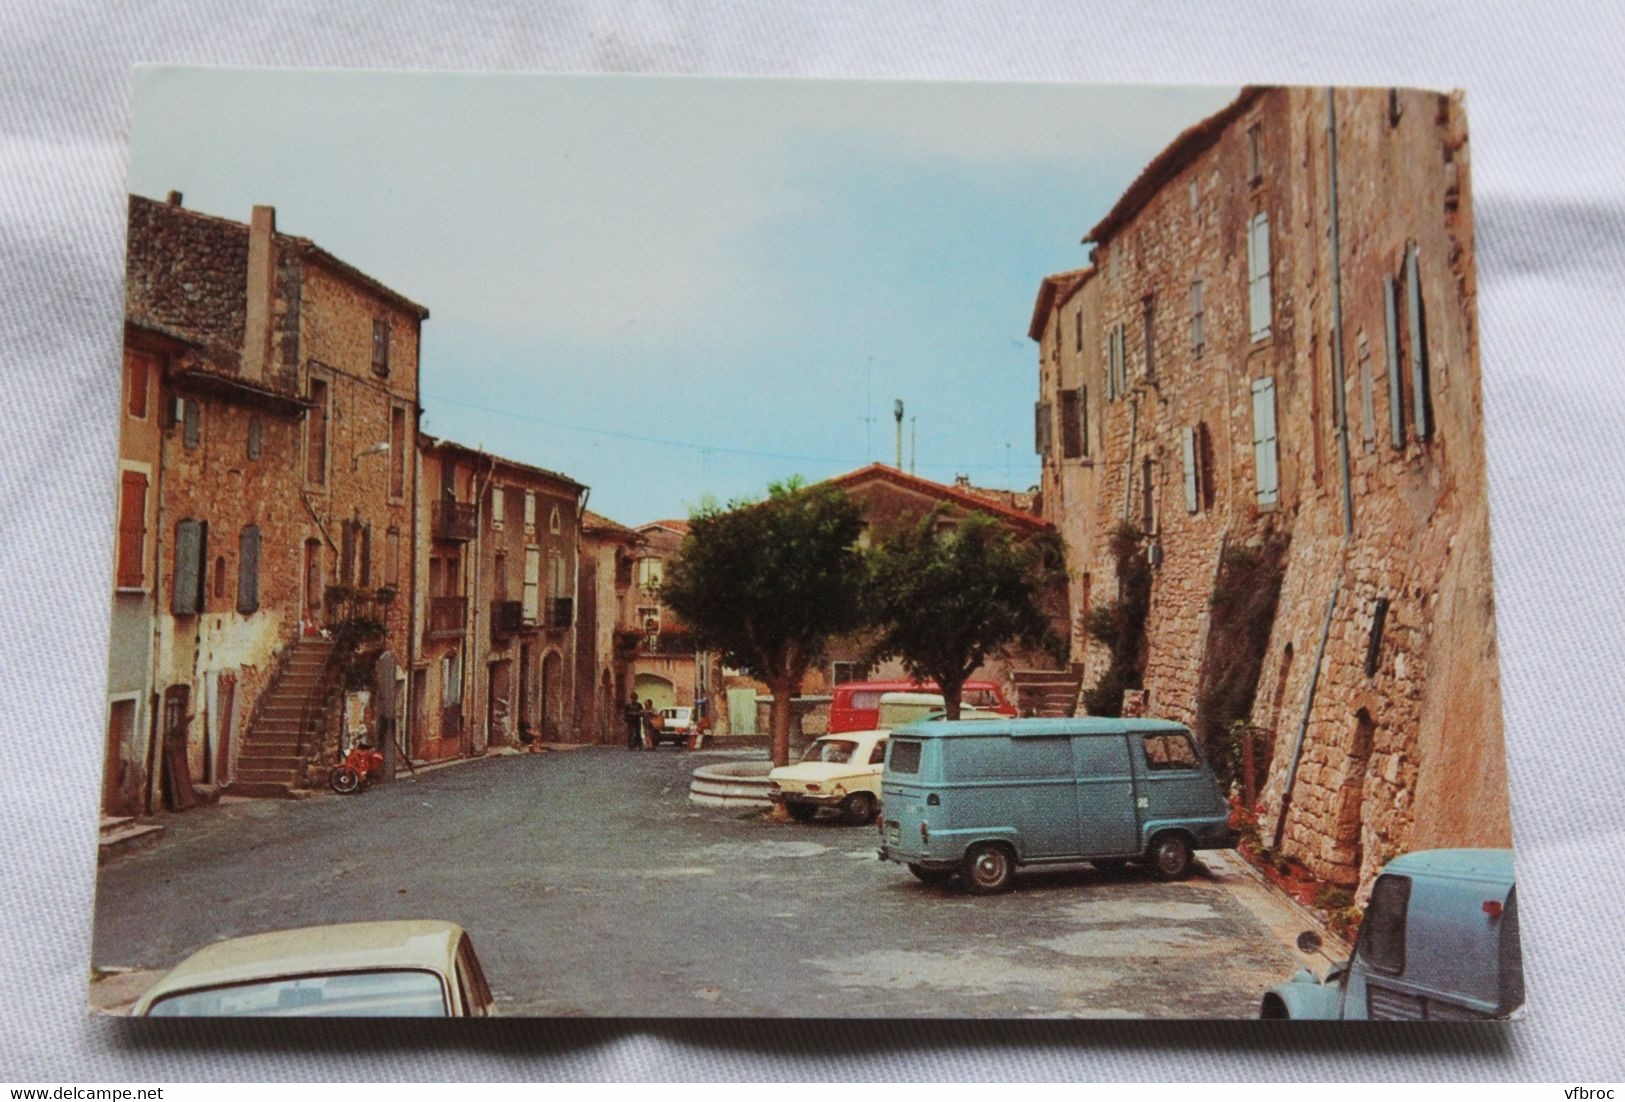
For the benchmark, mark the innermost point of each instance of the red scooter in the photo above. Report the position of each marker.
(355, 769)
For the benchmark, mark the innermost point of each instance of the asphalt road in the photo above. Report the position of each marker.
(591, 886)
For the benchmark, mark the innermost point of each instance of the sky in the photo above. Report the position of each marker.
(678, 290)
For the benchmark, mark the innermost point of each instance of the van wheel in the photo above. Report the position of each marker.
(859, 808)
(989, 867)
(801, 813)
(931, 876)
(1171, 857)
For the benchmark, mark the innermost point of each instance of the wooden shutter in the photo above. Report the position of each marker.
(1187, 447)
(347, 553)
(1071, 443)
(1396, 400)
(1264, 442)
(132, 530)
(187, 596)
(248, 569)
(533, 578)
(1258, 275)
(1416, 337)
(1122, 359)
(189, 426)
(137, 369)
(366, 557)
(1083, 419)
(1041, 428)
(1148, 315)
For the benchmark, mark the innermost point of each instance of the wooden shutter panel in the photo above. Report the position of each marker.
(1264, 442)
(533, 578)
(1041, 428)
(1417, 339)
(248, 569)
(132, 530)
(1396, 400)
(189, 428)
(1083, 419)
(347, 552)
(1187, 447)
(1071, 444)
(366, 557)
(185, 600)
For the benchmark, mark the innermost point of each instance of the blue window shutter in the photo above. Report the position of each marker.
(248, 570)
(1416, 337)
(1264, 442)
(183, 601)
(1396, 399)
(1187, 446)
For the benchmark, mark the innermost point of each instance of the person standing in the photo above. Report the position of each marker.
(633, 713)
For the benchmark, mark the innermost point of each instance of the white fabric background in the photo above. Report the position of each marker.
(1545, 95)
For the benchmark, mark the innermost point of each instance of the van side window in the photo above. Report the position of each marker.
(905, 756)
(1382, 934)
(1170, 751)
(879, 753)
(866, 701)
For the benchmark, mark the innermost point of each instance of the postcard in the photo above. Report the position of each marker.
(664, 547)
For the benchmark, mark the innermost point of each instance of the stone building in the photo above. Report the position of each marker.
(609, 631)
(282, 402)
(496, 594)
(667, 670)
(1274, 351)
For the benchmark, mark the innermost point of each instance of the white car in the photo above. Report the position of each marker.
(836, 771)
(675, 725)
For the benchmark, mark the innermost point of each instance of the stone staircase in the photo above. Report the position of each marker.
(1052, 693)
(275, 750)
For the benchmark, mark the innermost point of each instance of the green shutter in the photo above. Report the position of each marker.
(183, 601)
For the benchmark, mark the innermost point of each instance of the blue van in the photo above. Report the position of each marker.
(980, 798)
(1439, 941)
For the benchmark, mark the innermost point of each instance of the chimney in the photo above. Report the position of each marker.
(174, 198)
(261, 293)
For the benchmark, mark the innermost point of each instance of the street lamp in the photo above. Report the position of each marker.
(376, 449)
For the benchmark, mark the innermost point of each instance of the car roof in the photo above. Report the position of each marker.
(909, 686)
(1018, 728)
(428, 945)
(1464, 864)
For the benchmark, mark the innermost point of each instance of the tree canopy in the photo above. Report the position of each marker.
(768, 585)
(949, 593)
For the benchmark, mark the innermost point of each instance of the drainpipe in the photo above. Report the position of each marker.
(1339, 397)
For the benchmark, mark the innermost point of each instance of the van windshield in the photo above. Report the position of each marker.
(835, 750)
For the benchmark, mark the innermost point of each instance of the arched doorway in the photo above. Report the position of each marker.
(658, 689)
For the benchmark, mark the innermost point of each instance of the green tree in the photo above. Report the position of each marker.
(947, 597)
(769, 584)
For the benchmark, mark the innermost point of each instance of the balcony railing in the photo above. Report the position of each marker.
(453, 520)
(447, 617)
(508, 618)
(561, 612)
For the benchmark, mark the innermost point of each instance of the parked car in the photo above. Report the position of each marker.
(675, 725)
(1439, 941)
(836, 771)
(900, 709)
(411, 969)
(980, 799)
(855, 705)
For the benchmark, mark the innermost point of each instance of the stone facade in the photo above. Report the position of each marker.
(1189, 386)
(284, 403)
(605, 642)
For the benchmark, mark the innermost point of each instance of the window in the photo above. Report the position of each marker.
(451, 679)
(1373, 643)
(1396, 401)
(1071, 435)
(191, 416)
(1255, 155)
(1148, 314)
(1116, 375)
(1041, 428)
(533, 581)
(364, 579)
(1192, 455)
(1198, 337)
(650, 573)
(392, 564)
(1204, 465)
(530, 511)
(842, 673)
(553, 521)
(877, 756)
(316, 434)
(380, 346)
(347, 542)
(1416, 339)
(905, 756)
(1148, 495)
(1259, 304)
(191, 544)
(558, 583)
(499, 500)
(499, 577)
(248, 569)
(1170, 751)
(1382, 934)
(1083, 420)
(1264, 442)
(132, 531)
(1396, 107)
(398, 452)
(254, 442)
(1077, 331)
(137, 372)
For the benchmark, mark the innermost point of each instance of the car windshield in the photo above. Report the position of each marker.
(835, 750)
(396, 994)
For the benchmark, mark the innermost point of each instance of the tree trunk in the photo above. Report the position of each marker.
(950, 697)
(779, 717)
